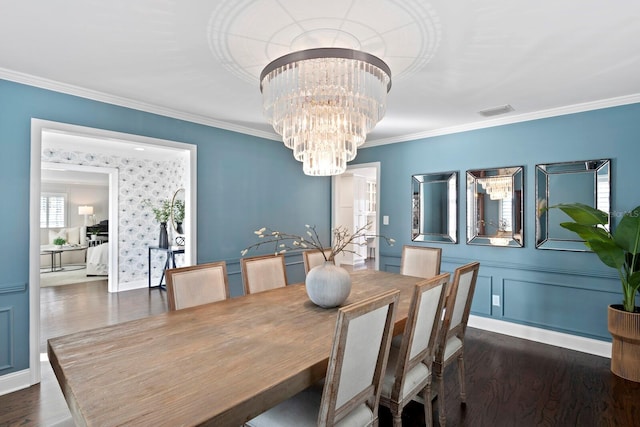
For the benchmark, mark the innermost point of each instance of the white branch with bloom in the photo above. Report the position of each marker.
(342, 238)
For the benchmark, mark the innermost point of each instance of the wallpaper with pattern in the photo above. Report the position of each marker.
(139, 180)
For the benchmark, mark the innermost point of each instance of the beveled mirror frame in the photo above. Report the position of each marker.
(584, 181)
(444, 211)
(497, 231)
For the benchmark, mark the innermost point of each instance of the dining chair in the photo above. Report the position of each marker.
(314, 257)
(263, 272)
(420, 261)
(454, 324)
(351, 390)
(197, 284)
(409, 367)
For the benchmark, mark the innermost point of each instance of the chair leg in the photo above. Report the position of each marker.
(463, 394)
(396, 413)
(441, 411)
(397, 419)
(428, 407)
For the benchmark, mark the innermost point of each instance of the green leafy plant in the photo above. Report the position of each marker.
(178, 210)
(59, 241)
(342, 238)
(162, 213)
(618, 249)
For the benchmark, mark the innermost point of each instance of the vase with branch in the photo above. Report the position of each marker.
(162, 214)
(328, 285)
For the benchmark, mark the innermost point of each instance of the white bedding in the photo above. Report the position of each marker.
(98, 260)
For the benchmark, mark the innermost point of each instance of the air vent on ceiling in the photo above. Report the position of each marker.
(490, 112)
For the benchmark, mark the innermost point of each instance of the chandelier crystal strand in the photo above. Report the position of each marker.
(324, 102)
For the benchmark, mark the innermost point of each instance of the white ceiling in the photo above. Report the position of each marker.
(200, 59)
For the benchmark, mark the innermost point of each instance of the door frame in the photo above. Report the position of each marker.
(38, 127)
(113, 214)
(334, 199)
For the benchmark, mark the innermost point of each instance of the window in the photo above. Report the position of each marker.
(53, 210)
(371, 196)
(506, 211)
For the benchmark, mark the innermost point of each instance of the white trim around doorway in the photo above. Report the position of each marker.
(113, 214)
(39, 126)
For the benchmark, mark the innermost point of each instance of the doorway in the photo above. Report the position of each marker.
(356, 198)
(101, 140)
(89, 183)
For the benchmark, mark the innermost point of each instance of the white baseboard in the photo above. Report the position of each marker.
(15, 381)
(558, 339)
(136, 284)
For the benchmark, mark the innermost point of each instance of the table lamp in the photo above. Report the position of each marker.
(86, 211)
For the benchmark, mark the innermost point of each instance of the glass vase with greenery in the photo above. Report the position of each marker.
(162, 212)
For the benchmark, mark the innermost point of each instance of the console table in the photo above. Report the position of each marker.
(170, 261)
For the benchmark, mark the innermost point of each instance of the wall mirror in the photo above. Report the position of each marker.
(434, 210)
(586, 182)
(495, 214)
(177, 215)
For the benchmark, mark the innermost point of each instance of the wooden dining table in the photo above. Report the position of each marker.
(216, 364)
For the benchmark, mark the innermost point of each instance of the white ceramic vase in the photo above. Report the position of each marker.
(328, 285)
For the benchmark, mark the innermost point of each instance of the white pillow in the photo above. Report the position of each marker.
(53, 234)
(73, 235)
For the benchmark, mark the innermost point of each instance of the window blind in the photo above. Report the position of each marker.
(53, 210)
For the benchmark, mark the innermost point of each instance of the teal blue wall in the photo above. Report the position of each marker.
(561, 291)
(244, 183)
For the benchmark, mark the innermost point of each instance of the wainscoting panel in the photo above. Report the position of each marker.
(568, 301)
(6, 338)
(14, 327)
(558, 307)
(481, 303)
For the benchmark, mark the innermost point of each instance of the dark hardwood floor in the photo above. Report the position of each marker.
(78, 307)
(516, 382)
(510, 381)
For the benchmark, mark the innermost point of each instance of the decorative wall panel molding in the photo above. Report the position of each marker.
(10, 288)
(554, 306)
(6, 338)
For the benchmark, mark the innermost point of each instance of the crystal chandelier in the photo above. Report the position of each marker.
(497, 187)
(324, 102)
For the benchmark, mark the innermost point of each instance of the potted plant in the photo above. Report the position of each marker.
(618, 249)
(162, 214)
(59, 241)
